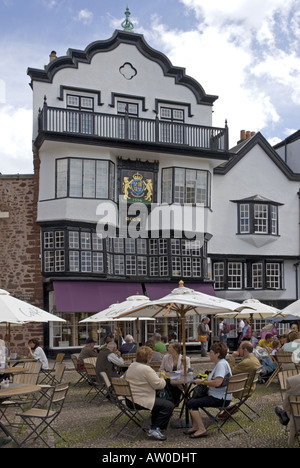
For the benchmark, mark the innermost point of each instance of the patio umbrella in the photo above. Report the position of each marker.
(13, 310)
(292, 309)
(183, 302)
(258, 310)
(114, 310)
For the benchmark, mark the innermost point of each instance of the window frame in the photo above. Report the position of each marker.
(265, 225)
(248, 280)
(176, 193)
(69, 187)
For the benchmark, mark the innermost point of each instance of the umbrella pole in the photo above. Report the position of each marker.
(137, 332)
(183, 344)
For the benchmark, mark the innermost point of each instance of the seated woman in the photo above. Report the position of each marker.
(36, 352)
(171, 362)
(292, 342)
(216, 390)
(144, 382)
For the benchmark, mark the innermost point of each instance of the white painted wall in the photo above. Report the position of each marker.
(255, 174)
(103, 74)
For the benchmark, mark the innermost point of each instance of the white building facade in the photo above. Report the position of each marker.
(138, 190)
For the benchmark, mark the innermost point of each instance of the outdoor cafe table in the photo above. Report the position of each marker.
(15, 362)
(185, 384)
(13, 370)
(15, 390)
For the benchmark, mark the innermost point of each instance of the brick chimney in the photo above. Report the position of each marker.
(245, 135)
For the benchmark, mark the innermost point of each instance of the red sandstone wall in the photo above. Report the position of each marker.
(20, 267)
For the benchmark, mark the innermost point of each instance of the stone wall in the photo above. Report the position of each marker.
(20, 264)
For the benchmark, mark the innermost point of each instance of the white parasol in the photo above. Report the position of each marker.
(183, 302)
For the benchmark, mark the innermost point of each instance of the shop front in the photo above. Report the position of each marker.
(77, 300)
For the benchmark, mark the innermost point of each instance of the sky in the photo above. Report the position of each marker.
(247, 52)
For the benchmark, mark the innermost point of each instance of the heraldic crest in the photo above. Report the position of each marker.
(137, 188)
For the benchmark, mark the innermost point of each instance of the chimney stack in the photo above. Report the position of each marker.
(245, 135)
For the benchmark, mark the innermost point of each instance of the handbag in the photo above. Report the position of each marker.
(202, 338)
(200, 391)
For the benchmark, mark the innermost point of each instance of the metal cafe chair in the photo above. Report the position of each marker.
(38, 420)
(282, 358)
(129, 409)
(112, 398)
(82, 373)
(283, 376)
(48, 373)
(128, 358)
(243, 400)
(96, 385)
(236, 383)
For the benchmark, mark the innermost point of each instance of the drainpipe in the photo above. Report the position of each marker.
(296, 265)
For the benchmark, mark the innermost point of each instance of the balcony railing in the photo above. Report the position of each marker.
(124, 127)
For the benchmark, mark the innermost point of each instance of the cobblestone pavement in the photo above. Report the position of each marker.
(86, 424)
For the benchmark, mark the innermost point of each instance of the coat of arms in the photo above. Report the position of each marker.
(137, 188)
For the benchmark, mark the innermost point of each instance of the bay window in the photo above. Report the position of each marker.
(85, 178)
(181, 185)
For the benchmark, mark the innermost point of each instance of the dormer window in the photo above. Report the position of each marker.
(258, 215)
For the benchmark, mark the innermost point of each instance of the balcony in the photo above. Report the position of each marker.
(111, 129)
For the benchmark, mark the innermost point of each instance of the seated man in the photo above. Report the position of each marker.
(87, 351)
(108, 359)
(129, 346)
(158, 344)
(266, 343)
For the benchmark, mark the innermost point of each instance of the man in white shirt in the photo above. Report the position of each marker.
(108, 359)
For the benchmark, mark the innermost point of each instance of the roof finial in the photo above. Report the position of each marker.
(127, 24)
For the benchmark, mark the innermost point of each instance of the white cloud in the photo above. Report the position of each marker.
(250, 60)
(16, 147)
(85, 16)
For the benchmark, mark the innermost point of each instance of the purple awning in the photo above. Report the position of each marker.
(158, 290)
(90, 296)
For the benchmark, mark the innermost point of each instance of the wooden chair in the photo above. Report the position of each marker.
(283, 376)
(112, 397)
(82, 373)
(49, 372)
(33, 367)
(295, 414)
(38, 420)
(243, 400)
(283, 359)
(128, 358)
(236, 384)
(96, 385)
(128, 408)
(90, 360)
(155, 365)
(57, 376)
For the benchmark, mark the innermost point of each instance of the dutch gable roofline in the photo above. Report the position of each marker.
(75, 56)
(239, 152)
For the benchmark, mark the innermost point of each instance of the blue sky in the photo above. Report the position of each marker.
(245, 51)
